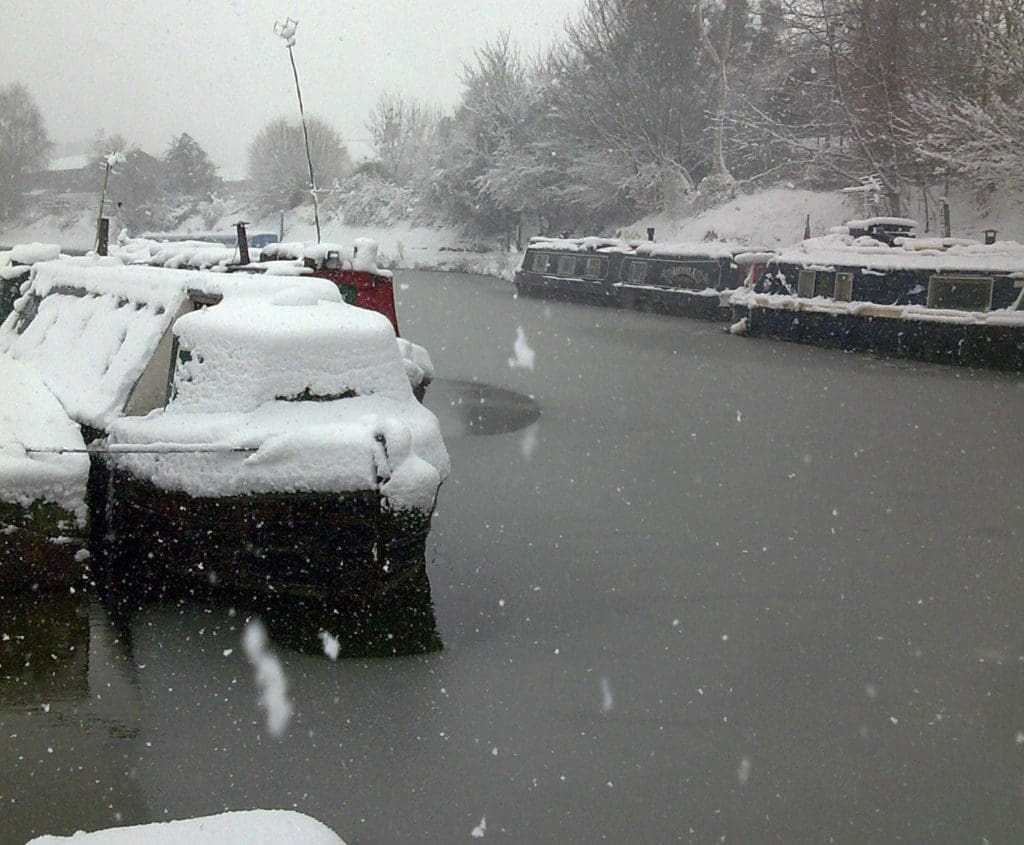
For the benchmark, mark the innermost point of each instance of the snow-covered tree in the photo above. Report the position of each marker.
(404, 136)
(135, 196)
(278, 170)
(188, 170)
(24, 145)
(492, 116)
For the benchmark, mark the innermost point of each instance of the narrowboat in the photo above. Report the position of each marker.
(572, 269)
(353, 272)
(689, 280)
(693, 280)
(246, 431)
(872, 286)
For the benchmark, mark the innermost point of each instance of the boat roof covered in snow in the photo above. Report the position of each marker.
(90, 326)
(943, 255)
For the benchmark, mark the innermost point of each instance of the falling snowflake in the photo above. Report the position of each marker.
(270, 677)
(743, 772)
(607, 699)
(331, 645)
(524, 355)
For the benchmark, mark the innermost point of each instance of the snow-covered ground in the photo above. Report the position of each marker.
(777, 216)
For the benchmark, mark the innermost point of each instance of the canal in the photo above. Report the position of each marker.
(690, 588)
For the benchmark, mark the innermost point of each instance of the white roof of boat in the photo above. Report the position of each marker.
(935, 254)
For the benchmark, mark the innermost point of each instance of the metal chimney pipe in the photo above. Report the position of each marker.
(650, 233)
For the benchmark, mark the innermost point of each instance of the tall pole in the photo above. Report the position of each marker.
(103, 202)
(110, 159)
(287, 32)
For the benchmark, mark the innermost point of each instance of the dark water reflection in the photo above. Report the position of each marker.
(466, 407)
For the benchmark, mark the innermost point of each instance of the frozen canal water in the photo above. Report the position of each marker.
(690, 587)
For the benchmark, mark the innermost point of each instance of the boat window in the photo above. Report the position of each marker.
(637, 271)
(825, 285)
(567, 265)
(844, 287)
(965, 293)
(540, 262)
(805, 283)
(595, 268)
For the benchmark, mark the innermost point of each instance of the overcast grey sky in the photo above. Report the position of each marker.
(215, 69)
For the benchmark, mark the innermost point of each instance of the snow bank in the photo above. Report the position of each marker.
(296, 398)
(773, 217)
(32, 418)
(250, 827)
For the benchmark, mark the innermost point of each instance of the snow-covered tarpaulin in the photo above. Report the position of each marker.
(249, 827)
(299, 392)
(90, 326)
(32, 419)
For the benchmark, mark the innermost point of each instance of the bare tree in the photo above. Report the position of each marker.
(278, 169)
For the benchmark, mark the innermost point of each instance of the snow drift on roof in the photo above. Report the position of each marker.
(97, 323)
(317, 393)
(590, 244)
(838, 250)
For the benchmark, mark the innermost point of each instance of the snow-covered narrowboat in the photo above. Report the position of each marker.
(353, 271)
(572, 269)
(690, 280)
(872, 286)
(268, 441)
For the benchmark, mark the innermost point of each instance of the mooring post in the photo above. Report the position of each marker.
(102, 235)
(243, 241)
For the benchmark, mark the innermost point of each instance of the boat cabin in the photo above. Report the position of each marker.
(951, 274)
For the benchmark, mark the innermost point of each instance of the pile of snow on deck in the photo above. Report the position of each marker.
(296, 392)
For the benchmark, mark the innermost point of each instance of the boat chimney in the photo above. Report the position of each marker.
(990, 236)
(103, 236)
(947, 226)
(650, 233)
(243, 241)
